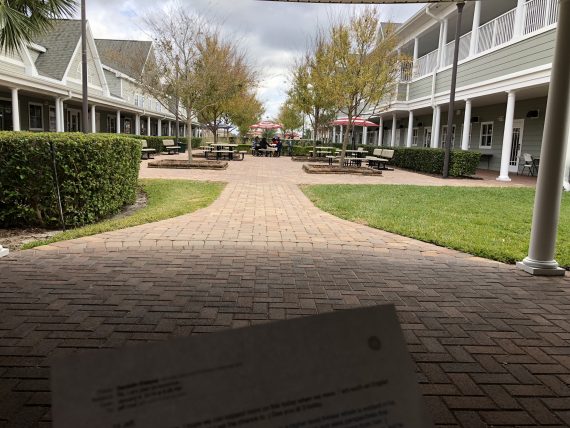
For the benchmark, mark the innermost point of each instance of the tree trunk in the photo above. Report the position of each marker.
(189, 133)
(345, 141)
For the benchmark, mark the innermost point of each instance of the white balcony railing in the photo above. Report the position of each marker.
(426, 64)
(537, 14)
(464, 44)
(406, 71)
(496, 32)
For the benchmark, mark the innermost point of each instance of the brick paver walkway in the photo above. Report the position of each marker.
(491, 344)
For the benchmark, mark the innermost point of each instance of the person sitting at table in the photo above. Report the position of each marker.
(263, 144)
(279, 146)
(255, 146)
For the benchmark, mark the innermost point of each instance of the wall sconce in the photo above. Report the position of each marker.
(533, 114)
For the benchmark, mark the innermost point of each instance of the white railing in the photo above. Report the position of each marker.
(539, 14)
(464, 45)
(406, 71)
(426, 64)
(497, 32)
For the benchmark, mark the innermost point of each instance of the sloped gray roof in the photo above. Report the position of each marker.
(126, 56)
(60, 42)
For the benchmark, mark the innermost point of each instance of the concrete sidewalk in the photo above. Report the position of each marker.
(491, 344)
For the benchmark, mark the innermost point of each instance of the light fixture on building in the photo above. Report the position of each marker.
(501, 118)
(533, 114)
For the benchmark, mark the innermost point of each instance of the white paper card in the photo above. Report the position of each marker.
(344, 369)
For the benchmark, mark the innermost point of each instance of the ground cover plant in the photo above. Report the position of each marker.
(488, 222)
(165, 199)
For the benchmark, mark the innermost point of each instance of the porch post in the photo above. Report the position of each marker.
(334, 134)
(435, 128)
(381, 132)
(93, 120)
(410, 129)
(393, 140)
(148, 125)
(466, 125)
(15, 110)
(415, 60)
(507, 137)
(475, 29)
(519, 19)
(159, 129)
(341, 136)
(118, 124)
(58, 115)
(364, 135)
(62, 110)
(137, 124)
(443, 42)
(540, 259)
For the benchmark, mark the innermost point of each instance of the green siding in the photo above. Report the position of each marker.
(526, 54)
(421, 88)
(402, 92)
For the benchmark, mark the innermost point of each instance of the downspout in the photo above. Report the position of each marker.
(434, 74)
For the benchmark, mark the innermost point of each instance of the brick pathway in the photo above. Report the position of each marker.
(491, 344)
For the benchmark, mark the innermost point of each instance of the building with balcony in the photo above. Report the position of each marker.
(506, 50)
(41, 88)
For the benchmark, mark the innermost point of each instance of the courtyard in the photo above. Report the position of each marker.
(490, 343)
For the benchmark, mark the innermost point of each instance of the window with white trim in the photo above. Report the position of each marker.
(415, 135)
(36, 117)
(486, 135)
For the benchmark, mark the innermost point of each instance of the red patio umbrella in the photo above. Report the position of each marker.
(357, 121)
(266, 124)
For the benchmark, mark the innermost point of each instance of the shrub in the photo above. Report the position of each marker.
(97, 174)
(302, 151)
(461, 163)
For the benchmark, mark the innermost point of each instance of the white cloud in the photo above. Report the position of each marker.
(273, 33)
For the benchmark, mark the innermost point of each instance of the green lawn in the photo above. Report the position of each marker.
(166, 199)
(488, 222)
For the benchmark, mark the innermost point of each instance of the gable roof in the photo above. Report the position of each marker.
(60, 42)
(126, 56)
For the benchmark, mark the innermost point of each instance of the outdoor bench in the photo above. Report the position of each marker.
(148, 151)
(171, 147)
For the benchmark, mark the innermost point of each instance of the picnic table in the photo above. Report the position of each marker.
(356, 153)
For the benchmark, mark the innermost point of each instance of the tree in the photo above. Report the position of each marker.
(22, 20)
(170, 74)
(225, 76)
(244, 111)
(311, 91)
(363, 67)
(289, 116)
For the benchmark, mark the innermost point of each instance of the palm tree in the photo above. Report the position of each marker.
(22, 20)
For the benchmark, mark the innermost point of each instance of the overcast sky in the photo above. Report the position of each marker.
(273, 33)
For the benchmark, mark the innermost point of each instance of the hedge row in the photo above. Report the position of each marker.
(97, 176)
(461, 163)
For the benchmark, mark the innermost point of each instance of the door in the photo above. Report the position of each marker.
(73, 120)
(427, 137)
(516, 146)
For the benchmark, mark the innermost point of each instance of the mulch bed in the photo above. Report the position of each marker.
(308, 159)
(186, 164)
(336, 169)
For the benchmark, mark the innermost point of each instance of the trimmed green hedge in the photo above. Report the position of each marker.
(97, 174)
(461, 163)
(156, 142)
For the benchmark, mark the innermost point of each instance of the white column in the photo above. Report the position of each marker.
(466, 125)
(416, 50)
(442, 42)
(393, 141)
(58, 115)
(436, 127)
(475, 29)
(341, 135)
(15, 110)
(334, 134)
(93, 119)
(507, 137)
(118, 124)
(410, 129)
(546, 214)
(365, 135)
(519, 19)
(148, 125)
(184, 130)
(567, 164)
(159, 128)
(381, 131)
(137, 124)
(62, 110)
